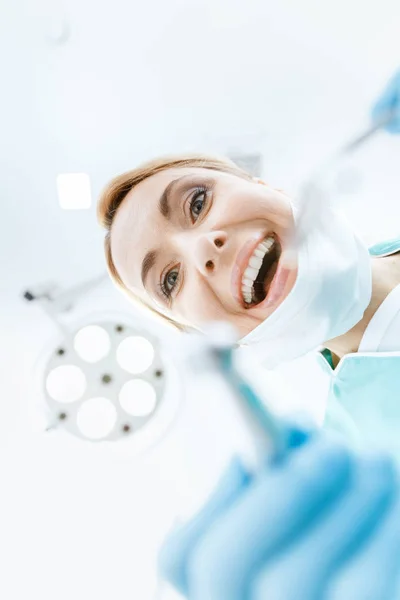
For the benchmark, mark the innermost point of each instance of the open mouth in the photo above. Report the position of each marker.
(260, 271)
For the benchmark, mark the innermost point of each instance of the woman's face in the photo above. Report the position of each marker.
(202, 245)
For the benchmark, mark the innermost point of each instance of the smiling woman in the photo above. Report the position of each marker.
(197, 239)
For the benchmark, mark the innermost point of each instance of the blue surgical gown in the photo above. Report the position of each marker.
(364, 396)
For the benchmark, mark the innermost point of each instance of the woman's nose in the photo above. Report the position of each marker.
(209, 248)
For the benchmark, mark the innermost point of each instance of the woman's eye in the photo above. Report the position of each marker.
(197, 203)
(169, 282)
(172, 278)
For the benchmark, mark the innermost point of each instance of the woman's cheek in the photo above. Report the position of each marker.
(198, 305)
(275, 207)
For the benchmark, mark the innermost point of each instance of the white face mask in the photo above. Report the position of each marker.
(330, 295)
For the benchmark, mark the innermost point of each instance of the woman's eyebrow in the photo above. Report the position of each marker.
(164, 203)
(147, 264)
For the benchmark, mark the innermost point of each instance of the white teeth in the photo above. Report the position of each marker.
(247, 292)
(251, 273)
(253, 268)
(255, 262)
(268, 243)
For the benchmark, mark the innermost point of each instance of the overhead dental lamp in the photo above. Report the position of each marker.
(103, 379)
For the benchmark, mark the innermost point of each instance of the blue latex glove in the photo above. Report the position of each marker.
(389, 100)
(325, 524)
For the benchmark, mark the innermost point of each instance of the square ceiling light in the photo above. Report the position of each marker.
(74, 191)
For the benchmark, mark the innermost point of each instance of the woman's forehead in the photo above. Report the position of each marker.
(143, 197)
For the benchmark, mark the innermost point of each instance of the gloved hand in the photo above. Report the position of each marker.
(389, 100)
(325, 524)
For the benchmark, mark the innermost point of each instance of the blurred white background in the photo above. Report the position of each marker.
(96, 87)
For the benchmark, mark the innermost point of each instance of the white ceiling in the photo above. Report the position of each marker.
(290, 79)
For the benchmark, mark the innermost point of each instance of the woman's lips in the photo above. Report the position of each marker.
(276, 288)
(277, 285)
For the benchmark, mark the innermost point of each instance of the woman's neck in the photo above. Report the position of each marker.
(385, 277)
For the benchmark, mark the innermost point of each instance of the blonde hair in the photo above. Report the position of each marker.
(117, 189)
